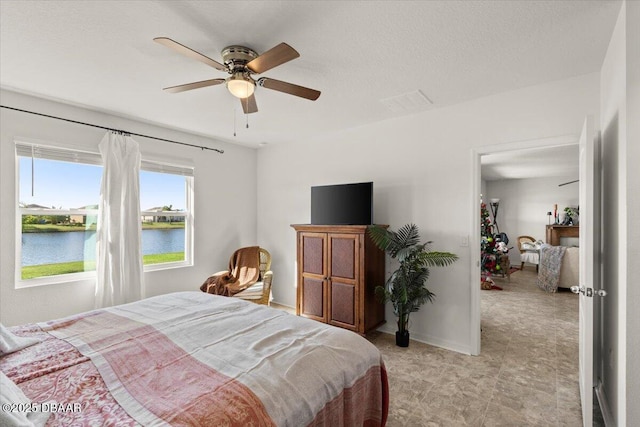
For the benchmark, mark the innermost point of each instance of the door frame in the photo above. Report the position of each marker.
(474, 240)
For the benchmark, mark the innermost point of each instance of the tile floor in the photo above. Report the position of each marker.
(526, 374)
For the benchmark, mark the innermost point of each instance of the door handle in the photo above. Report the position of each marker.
(589, 292)
(577, 289)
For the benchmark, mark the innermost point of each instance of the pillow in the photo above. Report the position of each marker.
(10, 394)
(9, 342)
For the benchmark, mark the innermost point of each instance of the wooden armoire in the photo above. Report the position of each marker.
(339, 268)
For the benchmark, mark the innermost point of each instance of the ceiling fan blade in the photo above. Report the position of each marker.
(290, 88)
(272, 58)
(249, 104)
(194, 85)
(182, 49)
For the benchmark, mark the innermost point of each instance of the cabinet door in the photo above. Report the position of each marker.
(344, 276)
(312, 279)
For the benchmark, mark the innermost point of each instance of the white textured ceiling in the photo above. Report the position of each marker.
(549, 162)
(101, 54)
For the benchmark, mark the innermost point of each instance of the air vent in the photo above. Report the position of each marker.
(408, 102)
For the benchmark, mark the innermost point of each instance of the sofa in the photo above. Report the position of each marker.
(570, 269)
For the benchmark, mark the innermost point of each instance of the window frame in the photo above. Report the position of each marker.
(158, 165)
(188, 228)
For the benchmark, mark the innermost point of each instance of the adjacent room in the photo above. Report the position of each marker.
(532, 198)
(520, 190)
(273, 213)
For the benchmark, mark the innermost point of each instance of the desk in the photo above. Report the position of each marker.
(555, 232)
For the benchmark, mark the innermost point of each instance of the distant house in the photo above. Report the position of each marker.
(149, 217)
(81, 218)
(33, 206)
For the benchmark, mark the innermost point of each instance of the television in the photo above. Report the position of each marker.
(344, 204)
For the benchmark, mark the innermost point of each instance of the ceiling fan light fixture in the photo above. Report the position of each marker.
(240, 85)
(242, 63)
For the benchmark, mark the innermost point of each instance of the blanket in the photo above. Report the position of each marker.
(244, 271)
(197, 359)
(549, 268)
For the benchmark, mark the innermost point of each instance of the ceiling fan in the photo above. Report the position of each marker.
(241, 63)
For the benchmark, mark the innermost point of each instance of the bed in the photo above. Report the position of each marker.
(196, 359)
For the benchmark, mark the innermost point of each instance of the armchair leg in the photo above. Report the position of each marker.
(522, 266)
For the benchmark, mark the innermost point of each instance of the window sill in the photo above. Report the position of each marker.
(54, 280)
(167, 266)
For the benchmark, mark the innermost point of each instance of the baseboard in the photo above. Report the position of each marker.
(389, 328)
(283, 305)
(607, 416)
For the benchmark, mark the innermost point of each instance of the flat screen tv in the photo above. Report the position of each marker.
(344, 204)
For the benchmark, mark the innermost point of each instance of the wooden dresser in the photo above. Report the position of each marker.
(555, 232)
(339, 267)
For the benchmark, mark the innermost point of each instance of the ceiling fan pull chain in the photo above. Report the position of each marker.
(246, 108)
(234, 122)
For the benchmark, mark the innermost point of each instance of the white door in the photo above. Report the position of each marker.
(589, 227)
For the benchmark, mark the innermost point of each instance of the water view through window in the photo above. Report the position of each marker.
(59, 219)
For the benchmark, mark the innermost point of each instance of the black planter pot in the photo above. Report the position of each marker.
(402, 338)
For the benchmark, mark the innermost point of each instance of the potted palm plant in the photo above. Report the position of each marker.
(405, 288)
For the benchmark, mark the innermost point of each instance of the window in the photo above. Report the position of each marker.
(164, 203)
(59, 191)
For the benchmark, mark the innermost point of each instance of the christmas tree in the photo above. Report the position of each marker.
(489, 252)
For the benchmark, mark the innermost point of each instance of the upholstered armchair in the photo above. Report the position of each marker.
(260, 292)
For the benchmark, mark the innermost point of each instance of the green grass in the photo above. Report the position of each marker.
(33, 271)
(160, 258)
(54, 228)
(160, 225)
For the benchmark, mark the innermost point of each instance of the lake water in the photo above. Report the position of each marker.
(51, 248)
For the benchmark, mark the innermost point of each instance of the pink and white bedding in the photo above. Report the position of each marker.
(196, 359)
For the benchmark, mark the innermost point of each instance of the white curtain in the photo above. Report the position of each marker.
(119, 234)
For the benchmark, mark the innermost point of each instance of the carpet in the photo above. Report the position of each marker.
(513, 270)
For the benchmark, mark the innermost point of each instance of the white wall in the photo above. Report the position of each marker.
(225, 203)
(620, 109)
(421, 167)
(524, 204)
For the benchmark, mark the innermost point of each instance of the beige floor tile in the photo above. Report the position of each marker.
(456, 410)
(502, 416)
(526, 374)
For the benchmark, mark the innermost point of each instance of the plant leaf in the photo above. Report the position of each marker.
(438, 259)
(381, 237)
(408, 236)
(405, 288)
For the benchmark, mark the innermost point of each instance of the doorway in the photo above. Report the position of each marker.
(522, 150)
(589, 199)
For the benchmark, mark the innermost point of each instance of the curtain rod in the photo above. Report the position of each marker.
(113, 130)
